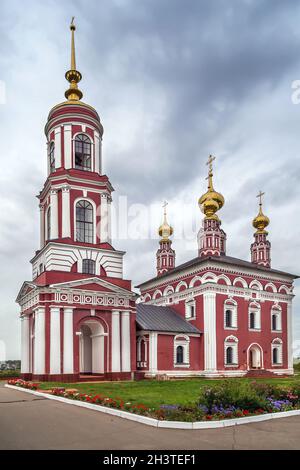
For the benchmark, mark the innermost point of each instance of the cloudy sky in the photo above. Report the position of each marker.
(173, 81)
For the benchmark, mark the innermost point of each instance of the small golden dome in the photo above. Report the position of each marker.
(260, 222)
(165, 230)
(211, 201)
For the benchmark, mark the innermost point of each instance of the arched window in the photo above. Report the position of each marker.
(228, 319)
(179, 355)
(88, 266)
(274, 322)
(83, 160)
(252, 320)
(229, 355)
(49, 223)
(275, 356)
(51, 157)
(84, 222)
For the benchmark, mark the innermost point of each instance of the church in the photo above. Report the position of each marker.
(213, 316)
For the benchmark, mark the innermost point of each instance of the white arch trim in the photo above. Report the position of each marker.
(284, 289)
(209, 277)
(181, 284)
(231, 339)
(169, 290)
(225, 278)
(273, 287)
(255, 285)
(156, 294)
(255, 345)
(242, 281)
(196, 278)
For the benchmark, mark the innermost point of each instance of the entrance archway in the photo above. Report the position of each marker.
(255, 358)
(91, 348)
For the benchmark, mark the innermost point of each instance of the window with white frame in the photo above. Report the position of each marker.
(88, 266)
(84, 222)
(231, 351)
(142, 353)
(276, 318)
(51, 157)
(83, 152)
(190, 309)
(181, 351)
(276, 352)
(230, 314)
(254, 316)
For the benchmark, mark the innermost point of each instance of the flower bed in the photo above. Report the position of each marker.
(226, 400)
(23, 384)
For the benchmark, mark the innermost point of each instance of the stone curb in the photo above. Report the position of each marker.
(162, 424)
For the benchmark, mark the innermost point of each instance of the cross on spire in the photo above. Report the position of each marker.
(165, 207)
(260, 195)
(210, 162)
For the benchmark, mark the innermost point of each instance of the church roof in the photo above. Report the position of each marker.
(220, 259)
(158, 318)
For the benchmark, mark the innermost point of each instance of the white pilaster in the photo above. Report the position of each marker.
(55, 355)
(57, 147)
(68, 341)
(210, 336)
(25, 341)
(54, 213)
(97, 153)
(42, 226)
(68, 146)
(109, 219)
(126, 365)
(115, 341)
(39, 341)
(66, 215)
(290, 335)
(104, 219)
(153, 352)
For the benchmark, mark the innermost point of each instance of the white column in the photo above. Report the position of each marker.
(55, 341)
(115, 341)
(57, 147)
(25, 341)
(103, 219)
(153, 352)
(109, 200)
(66, 215)
(68, 146)
(290, 335)
(39, 341)
(210, 336)
(42, 226)
(126, 363)
(97, 153)
(54, 213)
(68, 341)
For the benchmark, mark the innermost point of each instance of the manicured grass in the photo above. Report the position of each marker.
(154, 393)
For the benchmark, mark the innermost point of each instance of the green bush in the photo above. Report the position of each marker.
(239, 394)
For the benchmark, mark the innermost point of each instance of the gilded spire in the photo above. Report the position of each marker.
(211, 201)
(261, 221)
(73, 76)
(165, 230)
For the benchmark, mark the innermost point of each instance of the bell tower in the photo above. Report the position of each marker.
(77, 312)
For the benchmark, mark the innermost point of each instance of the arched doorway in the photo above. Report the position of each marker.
(91, 348)
(255, 357)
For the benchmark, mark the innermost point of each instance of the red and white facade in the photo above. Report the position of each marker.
(213, 316)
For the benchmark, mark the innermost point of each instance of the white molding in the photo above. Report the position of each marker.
(126, 342)
(115, 341)
(55, 353)
(153, 352)
(68, 359)
(39, 342)
(66, 213)
(25, 338)
(210, 333)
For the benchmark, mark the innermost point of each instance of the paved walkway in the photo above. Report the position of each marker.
(30, 422)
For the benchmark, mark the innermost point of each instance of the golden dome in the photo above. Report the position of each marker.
(261, 221)
(211, 201)
(165, 230)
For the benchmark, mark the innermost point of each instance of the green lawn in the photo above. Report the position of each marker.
(155, 393)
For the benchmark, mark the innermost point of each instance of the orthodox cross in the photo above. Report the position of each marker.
(260, 195)
(209, 163)
(165, 207)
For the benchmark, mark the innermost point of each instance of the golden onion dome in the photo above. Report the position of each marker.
(211, 201)
(165, 230)
(73, 94)
(261, 221)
